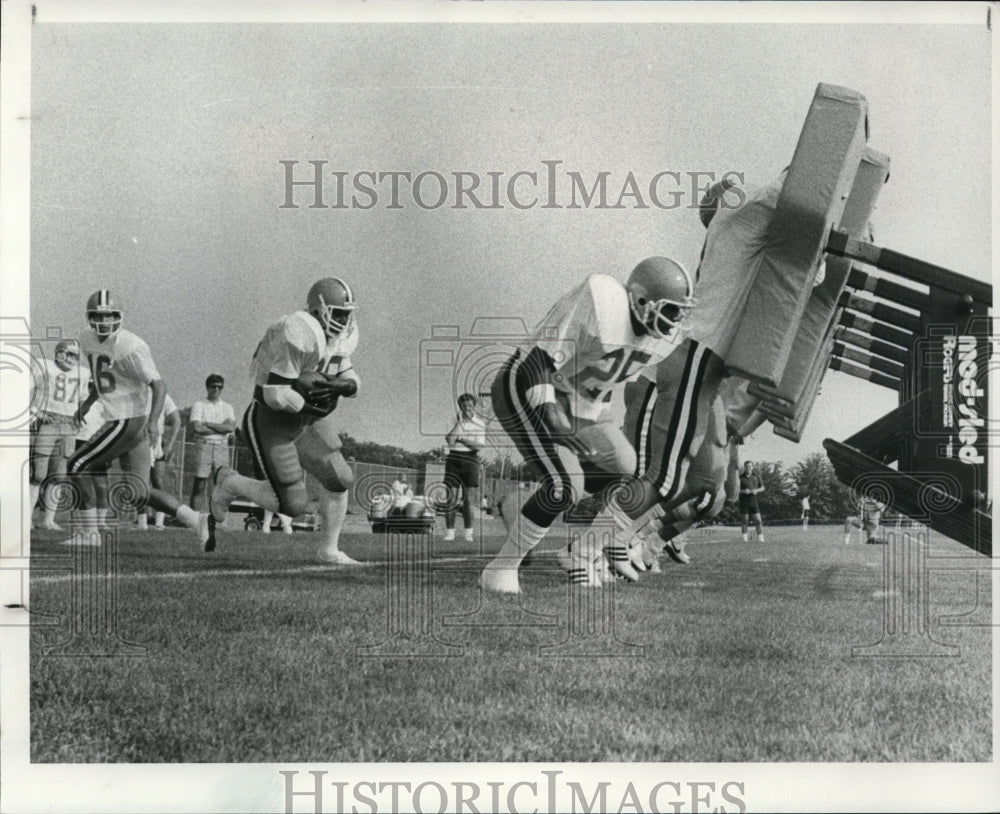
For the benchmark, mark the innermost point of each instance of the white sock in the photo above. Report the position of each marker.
(90, 519)
(158, 520)
(189, 517)
(745, 537)
(258, 491)
(102, 516)
(521, 539)
(333, 511)
(468, 535)
(142, 521)
(847, 539)
(449, 534)
(49, 502)
(266, 523)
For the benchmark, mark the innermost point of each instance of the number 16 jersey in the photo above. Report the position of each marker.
(592, 342)
(121, 368)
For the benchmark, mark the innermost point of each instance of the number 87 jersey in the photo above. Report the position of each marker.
(596, 345)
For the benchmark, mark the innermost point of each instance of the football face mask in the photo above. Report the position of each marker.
(660, 294)
(103, 315)
(331, 301)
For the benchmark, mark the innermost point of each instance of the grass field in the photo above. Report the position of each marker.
(256, 653)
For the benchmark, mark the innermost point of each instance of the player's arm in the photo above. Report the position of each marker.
(86, 404)
(159, 397)
(280, 394)
(540, 369)
(454, 434)
(344, 381)
(171, 427)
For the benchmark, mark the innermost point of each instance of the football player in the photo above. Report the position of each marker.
(61, 387)
(301, 367)
(706, 487)
(124, 378)
(735, 235)
(868, 519)
(552, 398)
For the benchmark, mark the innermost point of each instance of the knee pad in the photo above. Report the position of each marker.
(283, 461)
(331, 470)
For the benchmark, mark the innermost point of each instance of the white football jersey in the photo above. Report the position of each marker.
(62, 391)
(121, 368)
(296, 344)
(92, 422)
(594, 347)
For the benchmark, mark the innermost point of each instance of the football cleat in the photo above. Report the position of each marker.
(619, 561)
(676, 552)
(104, 316)
(222, 495)
(660, 294)
(579, 571)
(332, 302)
(206, 532)
(635, 555)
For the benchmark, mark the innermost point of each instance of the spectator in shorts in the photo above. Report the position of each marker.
(212, 421)
(750, 486)
(461, 467)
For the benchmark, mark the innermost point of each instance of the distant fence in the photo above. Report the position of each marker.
(370, 479)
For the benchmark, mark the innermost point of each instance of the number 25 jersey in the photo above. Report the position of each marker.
(594, 347)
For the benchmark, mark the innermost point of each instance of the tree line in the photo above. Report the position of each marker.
(781, 500)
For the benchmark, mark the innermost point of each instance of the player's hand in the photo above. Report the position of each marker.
(167, 455)
(562, 430)
(319, 392)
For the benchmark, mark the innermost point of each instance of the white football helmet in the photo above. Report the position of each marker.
(661, 294)
(331, 301)
(103, 313)
(66, 355)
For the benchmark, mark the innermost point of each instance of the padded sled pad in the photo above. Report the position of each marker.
(812, 200)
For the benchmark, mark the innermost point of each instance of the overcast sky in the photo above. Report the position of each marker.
(156, 173)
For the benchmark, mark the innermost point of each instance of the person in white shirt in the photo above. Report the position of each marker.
(461, 467)
(212, 422)
(805, 512)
